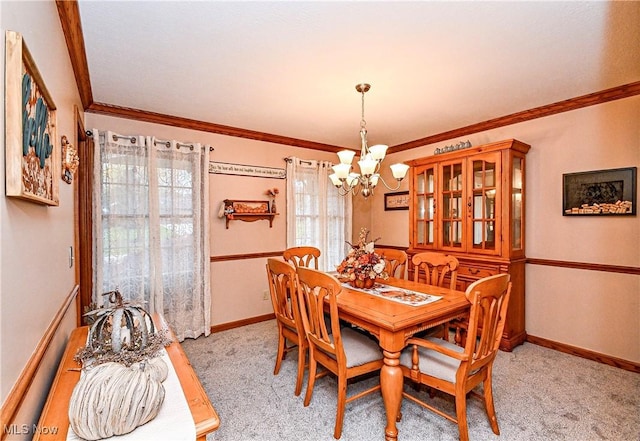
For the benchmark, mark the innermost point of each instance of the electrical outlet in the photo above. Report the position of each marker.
(265, 295)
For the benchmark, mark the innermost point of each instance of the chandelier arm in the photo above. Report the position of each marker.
(345, 188)
(342, 191)
(386, 185)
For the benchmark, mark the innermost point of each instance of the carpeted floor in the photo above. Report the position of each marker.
(540, 394)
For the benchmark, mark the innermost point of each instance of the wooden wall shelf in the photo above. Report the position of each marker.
(248, 211)
(251, 217)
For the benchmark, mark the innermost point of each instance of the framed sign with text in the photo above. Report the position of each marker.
(255, 171)
(396, 201)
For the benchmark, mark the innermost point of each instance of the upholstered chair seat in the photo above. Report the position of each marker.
(360, 348)
(433, 362)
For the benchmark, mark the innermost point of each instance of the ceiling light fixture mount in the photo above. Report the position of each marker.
(370, 162)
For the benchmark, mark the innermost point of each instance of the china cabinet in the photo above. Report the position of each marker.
(470, 203)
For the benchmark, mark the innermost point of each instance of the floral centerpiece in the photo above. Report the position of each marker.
(362, 265)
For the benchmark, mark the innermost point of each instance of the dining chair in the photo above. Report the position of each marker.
(304, 256)
(395, 262)
(456, 370)
(342, 351)
(283, 289)
(435, 268)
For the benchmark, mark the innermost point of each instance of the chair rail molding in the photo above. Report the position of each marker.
(22, 385)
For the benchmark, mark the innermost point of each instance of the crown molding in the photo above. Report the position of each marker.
(615, 93)
(72, 28)
(186, 123)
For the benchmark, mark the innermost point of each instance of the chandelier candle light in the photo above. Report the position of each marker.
(370, 160)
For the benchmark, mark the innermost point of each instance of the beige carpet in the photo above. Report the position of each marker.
(540, 394)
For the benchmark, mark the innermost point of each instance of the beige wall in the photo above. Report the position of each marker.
(35, 276)
(593, 310)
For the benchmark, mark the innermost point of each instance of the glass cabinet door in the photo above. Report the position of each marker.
(517, 194)
(483, 203)
(425, 208)
(452, 209)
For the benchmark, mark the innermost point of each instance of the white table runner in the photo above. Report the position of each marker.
(400, 295)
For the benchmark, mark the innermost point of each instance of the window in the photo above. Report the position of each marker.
(317, 215)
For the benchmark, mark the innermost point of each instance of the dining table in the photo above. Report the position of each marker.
(393, 321)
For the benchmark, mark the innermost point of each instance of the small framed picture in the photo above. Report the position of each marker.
(396, 201)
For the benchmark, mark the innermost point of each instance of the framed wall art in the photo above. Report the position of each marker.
(396, 201)
(600, 192)
(32, 151)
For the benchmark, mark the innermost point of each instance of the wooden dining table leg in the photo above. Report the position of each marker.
(391, 385)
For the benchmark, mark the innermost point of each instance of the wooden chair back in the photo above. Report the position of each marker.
(395, 262)
(329, 344)
(460, 370)
(283, 286)
(306, 257)
(315, 289)
(435, 267)
(489, 298)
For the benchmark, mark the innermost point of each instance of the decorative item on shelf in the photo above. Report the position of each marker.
(123, 333)
(370, 163)
(70, 160)
(452, 148)
(228, 208)
(362, 265)
(272, 193)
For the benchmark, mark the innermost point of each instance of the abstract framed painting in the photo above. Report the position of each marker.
(32, 151)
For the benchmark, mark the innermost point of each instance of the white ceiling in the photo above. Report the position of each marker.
(290, 68)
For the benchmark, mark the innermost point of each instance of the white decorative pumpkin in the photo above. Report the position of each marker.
(112, 399)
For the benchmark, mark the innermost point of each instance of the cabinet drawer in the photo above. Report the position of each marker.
(476, 272)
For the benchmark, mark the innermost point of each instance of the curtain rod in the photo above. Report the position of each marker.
(130, 138)
(302, 160)
(155, 142)
(178, 144)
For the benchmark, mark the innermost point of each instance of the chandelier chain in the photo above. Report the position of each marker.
(363, 123)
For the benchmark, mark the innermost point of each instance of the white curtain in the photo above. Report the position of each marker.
(317, 215)
(150, 217)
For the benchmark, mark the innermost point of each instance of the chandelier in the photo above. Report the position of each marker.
(370, 162)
